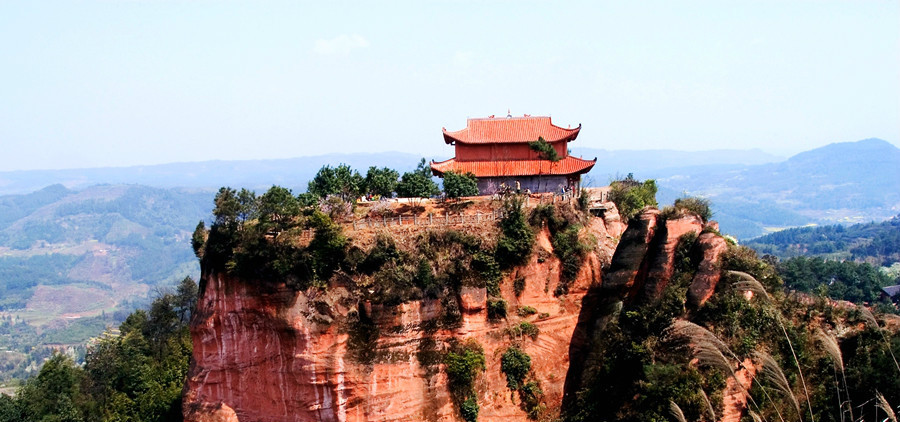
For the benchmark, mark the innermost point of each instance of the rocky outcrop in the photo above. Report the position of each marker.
(707, 277)
(629, 264)
(663, 259)
(641, 268)
(263, 352)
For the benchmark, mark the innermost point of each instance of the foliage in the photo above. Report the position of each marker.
(417, 183)
(842, 280)
(496, 309)
(277, 210)
(571, 250)
(381, 181)
(519, 286)
(692, 204)
(515, 363)
(525, 311)
(198, 239)
(544, 149)
(138, 375)
(247, 238)
(341, 180)
(875, 243)
(516, 238)
(462, 364)
(569, 245)
(457, 185)
(631, 196)
(523, 329)
(469, 409)
(531, 395)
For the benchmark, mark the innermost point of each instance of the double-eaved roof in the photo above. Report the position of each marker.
(510, 130)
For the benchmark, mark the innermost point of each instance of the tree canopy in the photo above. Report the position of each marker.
(381, 181)
(544, 150)
(457, 185)
(341, 180)
(417, 183)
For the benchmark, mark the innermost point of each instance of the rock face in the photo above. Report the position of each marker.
(273, 354)
(662, 265)
(708, 274)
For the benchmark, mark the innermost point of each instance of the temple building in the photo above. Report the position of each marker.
(496, 150)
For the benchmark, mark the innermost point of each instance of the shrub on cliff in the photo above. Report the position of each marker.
(463, 363)
(496, 309)
(515, 363)
(631, 195)
(691, 204)
(516, 237)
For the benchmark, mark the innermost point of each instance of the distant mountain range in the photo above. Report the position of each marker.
(752, 192)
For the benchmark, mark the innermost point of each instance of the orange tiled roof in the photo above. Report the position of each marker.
(566, 166)
(511, 129)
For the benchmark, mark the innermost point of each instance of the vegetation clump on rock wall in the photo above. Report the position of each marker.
(570, 244)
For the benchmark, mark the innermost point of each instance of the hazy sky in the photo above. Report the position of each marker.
(112, 83)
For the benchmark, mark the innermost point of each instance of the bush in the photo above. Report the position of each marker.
(515, 363)
(519, 286)
(457, 185)
(571, 250)
(699, 206)
(531, 396)
(516, 236)
(631, 196)
(523, 329)
(463, 363)
(469, 410)
(525, 311)
(496, 309)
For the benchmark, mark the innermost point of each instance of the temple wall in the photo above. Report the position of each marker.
(502, 151)
(490, 185)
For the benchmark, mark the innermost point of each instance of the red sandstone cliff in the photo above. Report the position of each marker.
(273, 354)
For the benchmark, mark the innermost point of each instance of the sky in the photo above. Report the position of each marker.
(119, 83)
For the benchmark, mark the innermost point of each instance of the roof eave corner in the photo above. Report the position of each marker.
(448, 139)
(575, 133)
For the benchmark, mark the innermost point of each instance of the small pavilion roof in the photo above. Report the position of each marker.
(510, 130)
(510, 168)
(891, 291)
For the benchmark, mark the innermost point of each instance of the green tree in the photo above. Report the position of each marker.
(198, 239)
(278, 210)
(381, 181)
(417, 183)
(186, 298)
(53, 394)
(341, 180)
(457, 185)
(227, 208)
(544, 150)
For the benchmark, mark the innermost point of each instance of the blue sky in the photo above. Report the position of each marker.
(115, 83)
